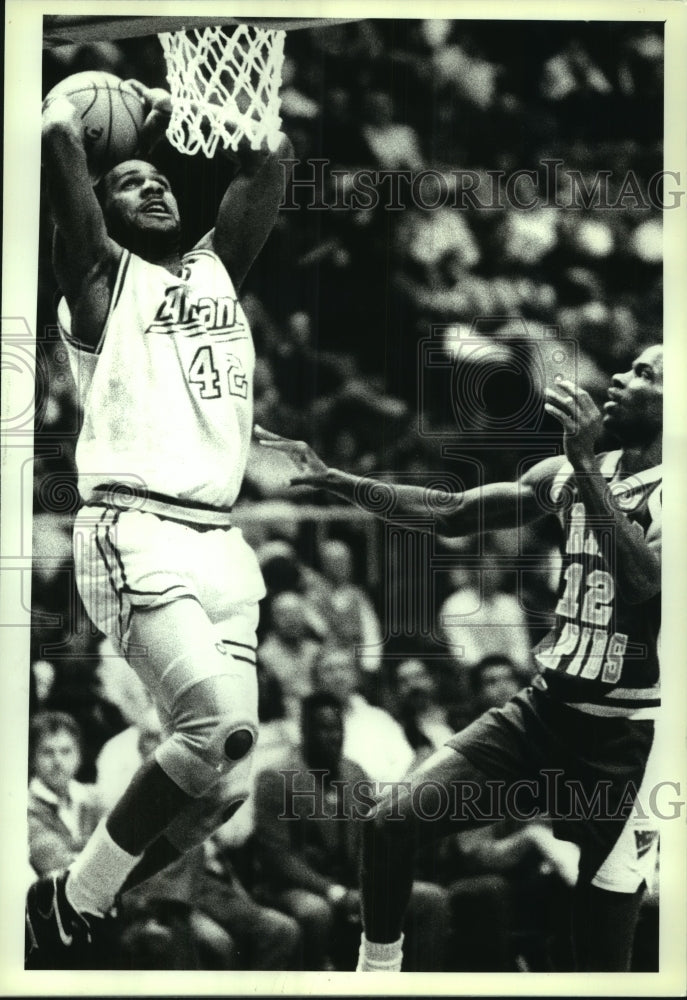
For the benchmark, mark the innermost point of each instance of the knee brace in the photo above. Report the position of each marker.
(215, 728)
(206, 815)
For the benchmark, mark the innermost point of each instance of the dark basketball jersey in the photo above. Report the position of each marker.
(602, 654)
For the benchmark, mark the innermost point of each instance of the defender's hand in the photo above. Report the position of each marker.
(157, 104)
(578, 415)
(311, 470)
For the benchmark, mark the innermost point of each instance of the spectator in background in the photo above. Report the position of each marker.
(269, 408)
(494, 680)
(428, 241)
(124, 753)
(279, 563)
(515, 880)
(43, 680)
(470, 79)
(62, 812)
(265, 938)
(346, 607)
(372, 738)
(162, 934)
(278, 734)
(423, 717)
(391, 145)
(480, 618)
(290, 647)
(310, 861)
(572, 72)
(83, 690)
(119, 685)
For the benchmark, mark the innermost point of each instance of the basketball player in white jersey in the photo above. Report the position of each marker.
(576, 744)
(163, 361)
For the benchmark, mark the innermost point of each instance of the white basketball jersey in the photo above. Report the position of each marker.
(167, 395)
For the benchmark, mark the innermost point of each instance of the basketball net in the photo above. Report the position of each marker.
(224, 85)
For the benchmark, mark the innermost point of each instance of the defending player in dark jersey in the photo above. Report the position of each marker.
(575, 744)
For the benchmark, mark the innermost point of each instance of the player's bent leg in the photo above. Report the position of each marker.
(213, 713)
(411, 814)
(608, 898)
(213, 716)
(198, 820)
(208, 759)
(604, 925)
(213, 733)
(203, 815)
(158, 856)
(428, 927)
(208, 697)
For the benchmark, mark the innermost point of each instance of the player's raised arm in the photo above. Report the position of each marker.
(637, 557)
(249, 207)
(488, 508)
(83, 238)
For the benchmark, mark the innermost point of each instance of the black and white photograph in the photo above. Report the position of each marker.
(334, 346)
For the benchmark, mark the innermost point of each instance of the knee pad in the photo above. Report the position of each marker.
(215, 728)
(206, 815)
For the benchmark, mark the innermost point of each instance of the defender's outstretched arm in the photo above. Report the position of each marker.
(487, 508)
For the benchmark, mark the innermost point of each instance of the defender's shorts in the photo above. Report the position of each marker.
(134, 559)
(583, 771)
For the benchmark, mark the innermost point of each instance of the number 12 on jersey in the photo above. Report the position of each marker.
(203, 372)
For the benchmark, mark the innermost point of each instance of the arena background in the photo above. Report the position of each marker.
(341, 302)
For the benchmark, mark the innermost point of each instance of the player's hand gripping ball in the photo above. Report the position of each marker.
(112, 113)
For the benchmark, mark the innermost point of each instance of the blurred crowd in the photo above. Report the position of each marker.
(343, 303)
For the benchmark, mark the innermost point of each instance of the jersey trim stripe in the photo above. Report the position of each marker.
(152, 593)
(113, 491)
(244, 659)
(151, 508)
(111, 574)
(611, 712)
(120, 564)
(241, 645)
(203, 252)
(119, 284)
(252, 658)
(76, 344)
(122, 497)
(79, 345)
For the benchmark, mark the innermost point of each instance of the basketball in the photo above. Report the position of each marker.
(112, 114)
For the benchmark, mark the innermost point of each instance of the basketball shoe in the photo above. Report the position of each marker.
(59, 937)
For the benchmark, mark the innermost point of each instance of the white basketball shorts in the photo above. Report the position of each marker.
(135, 559)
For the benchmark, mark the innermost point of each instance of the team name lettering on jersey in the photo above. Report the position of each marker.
(586, 646)
(179, 312)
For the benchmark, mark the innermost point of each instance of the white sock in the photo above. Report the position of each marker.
(98, 873)
(376, 957)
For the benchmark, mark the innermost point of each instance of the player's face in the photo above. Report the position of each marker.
(139, 197)
(634, 411)
(56, 761)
